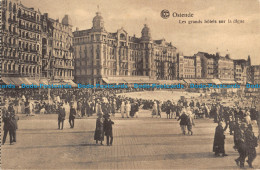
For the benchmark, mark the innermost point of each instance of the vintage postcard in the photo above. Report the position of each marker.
(130, 84)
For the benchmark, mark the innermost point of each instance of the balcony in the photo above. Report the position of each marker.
(10, 20)
(29, 29)
(64, 67)
(27, 17)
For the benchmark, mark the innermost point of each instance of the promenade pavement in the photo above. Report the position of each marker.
(139, 143)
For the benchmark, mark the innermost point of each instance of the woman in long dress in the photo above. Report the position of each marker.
(122, 109)
(99, 132)
(127, 108)
(155, 111)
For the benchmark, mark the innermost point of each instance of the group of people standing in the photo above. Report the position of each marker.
(245, 140)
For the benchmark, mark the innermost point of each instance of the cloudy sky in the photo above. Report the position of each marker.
(239, 40)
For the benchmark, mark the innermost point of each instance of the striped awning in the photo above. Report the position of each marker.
(7, 80)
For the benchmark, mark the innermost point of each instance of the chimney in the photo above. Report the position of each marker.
(77, 28)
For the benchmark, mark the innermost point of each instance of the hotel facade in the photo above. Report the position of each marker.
(37, 48)
(34, 48)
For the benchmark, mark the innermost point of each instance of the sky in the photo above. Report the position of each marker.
(238, 40)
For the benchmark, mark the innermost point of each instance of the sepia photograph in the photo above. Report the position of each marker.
(130, 84)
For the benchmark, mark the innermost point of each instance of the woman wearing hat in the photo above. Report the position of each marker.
(122, 109)
(127, 108)
(219, 140)
(155, 109)
(99, 132)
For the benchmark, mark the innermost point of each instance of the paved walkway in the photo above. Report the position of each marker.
(139, 143)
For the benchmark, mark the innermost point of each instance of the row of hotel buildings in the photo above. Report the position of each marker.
(36, 48)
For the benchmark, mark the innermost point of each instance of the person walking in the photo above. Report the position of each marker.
(113, 107)
(190, 122)
(155, 109)
(122, 109)
(240, 145)
(159, 108)
(108, 129)
(13, 121)
(168, 109)
(219, 140)
(127, 108)
(61, 116)
(183, 122)
(72, 116)
(251, 143)
(8, 127)
(99, 131)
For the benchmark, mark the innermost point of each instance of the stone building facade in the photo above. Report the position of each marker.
(21, 52)
(57, 47)
(242, 70)
(100, 54)
(34, 46)
(189, 67)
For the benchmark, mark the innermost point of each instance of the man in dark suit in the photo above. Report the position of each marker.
(72, 116)
(8, 126)
(61, 116)
(108, 129)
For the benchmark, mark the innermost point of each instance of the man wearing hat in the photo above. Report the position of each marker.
(241, 145)
(184, 121)
(72, 116)
(7, 125)
(61, 116)
(108, 129)
(251, 144)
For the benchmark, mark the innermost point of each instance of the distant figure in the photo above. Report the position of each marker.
(122, 109)
(183, 122)
(219, 140)
(127, 109)
(251, 143)
(72, 116)
(190, 122)
(61, 116)
(155, 109)
(8, 126)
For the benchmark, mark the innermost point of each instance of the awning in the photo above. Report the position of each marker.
(114, 81)
(35, 82)
(181, 82)
(228, 82)
(18, 81)
(216, 81)
(187, 81)
(151, 81)
(129, 81)
(193, 81)
(70, 82)
(200, 81)
(26, 81)
(7, 80)
(167, 82)
(44, 81)
(209, 81)
(240, 82)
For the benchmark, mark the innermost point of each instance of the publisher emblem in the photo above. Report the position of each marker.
(165, 14)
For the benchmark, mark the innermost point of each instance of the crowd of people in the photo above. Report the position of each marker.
(106, 103)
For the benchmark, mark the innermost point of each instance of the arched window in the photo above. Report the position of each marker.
(122, 37)
(14, 8)
(10, 6)
(19, 12)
